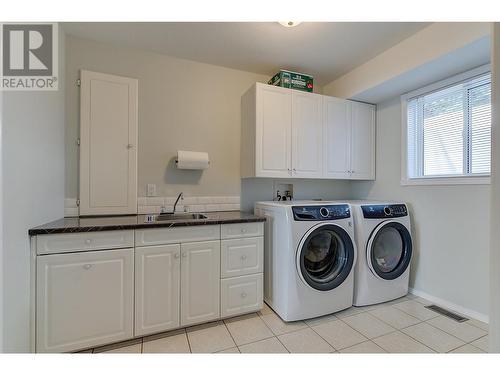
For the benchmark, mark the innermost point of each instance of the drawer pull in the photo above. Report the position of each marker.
(243, 230)
(176, 255)
(243, 295)
(88, 241)
(87, 266)
(243, 257)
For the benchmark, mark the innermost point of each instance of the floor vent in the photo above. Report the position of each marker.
(447, 313)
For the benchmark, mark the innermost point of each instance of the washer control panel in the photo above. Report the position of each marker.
(320, 213)
(382, 211)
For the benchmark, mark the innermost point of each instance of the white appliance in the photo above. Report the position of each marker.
(384, 244)
(309, 257)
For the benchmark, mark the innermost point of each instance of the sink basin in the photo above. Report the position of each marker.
(181, 216)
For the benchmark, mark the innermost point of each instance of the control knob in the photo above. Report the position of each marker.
(323, 211)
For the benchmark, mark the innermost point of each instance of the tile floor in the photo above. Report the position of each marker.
(400, 326)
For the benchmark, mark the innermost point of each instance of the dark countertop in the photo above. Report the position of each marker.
(102, 223)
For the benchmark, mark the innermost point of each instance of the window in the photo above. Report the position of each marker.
(448, 132)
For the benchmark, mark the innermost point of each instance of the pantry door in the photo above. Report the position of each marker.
(108, 144)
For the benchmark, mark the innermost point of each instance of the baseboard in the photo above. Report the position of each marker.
(451, 306)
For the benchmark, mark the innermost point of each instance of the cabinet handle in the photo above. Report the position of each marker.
(294, 170)
(243, 295)
(184, 255)
(130, 145)
(87, 266)
(243, 257)
(176, 255)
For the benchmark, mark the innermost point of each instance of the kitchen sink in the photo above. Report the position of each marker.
(180, 216)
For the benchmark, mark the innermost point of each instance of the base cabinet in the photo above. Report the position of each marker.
(88, 298)
(157, 288)
(84, 299)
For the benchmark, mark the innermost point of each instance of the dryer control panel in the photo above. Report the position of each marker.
(382, 211)
(320, 213)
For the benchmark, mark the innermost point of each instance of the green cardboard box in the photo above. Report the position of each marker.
(292, 80)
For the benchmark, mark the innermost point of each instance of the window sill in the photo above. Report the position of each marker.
(462, 180)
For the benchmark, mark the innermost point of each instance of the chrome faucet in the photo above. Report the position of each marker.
(177, 201)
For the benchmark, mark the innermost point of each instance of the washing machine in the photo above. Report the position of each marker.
(383, 238)
(309, 257)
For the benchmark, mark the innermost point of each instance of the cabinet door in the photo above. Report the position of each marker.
(337, 137)
(363, 142)
(307, 135)
(273, 131)
(108, 144)
(84, 299)
(200, 281)
(157, 288)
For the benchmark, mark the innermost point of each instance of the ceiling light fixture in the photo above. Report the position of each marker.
(289, 23)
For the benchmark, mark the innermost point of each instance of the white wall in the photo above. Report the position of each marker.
(182, 105)
(33, 193)
(450, 223)
(262, 189)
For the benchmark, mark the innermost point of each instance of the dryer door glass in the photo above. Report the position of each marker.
(390, 251)
(326, 257)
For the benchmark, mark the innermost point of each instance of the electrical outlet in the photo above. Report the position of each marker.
(151, 190)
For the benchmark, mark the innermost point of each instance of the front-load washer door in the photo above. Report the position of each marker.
(389, 250)
(325, 257)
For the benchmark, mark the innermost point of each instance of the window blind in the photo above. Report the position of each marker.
(449, 130)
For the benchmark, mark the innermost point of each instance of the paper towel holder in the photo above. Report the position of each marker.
(194, 167)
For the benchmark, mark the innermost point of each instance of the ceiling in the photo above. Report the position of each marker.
(325, 50)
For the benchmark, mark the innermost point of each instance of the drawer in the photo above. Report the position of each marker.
(242, 256)
(242, 230)
(240, 295)
(74, 242)
(161, 236)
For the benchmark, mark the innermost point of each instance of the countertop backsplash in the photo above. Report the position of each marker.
(153, 205)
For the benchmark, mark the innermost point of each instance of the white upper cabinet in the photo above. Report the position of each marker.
(307, 135)
(108, 144)
(363, 141)
(337, 139)
(288, 133)
(273, 132)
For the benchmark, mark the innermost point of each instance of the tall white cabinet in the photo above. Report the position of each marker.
(292, 134)
(108, 144)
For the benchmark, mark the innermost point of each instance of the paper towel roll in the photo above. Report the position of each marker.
(192, 160)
